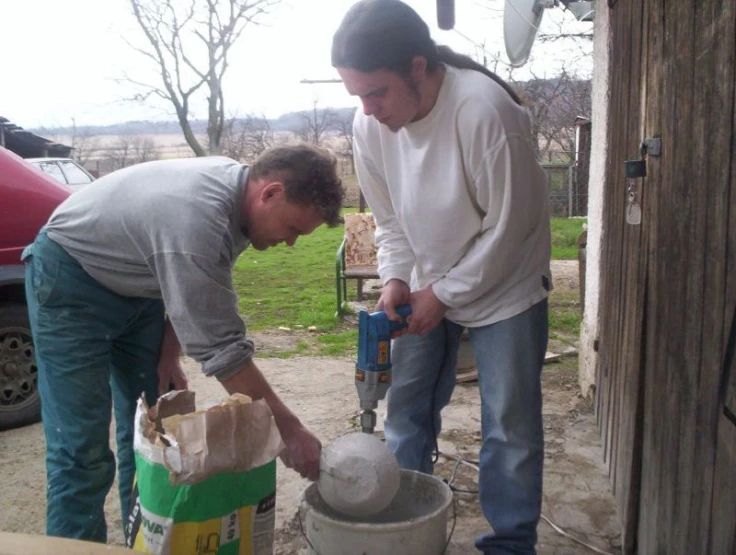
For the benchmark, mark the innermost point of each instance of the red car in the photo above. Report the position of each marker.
(27, 198)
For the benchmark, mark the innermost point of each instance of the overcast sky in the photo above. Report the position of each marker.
(61, 58)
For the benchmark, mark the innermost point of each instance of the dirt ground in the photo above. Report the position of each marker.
(321, 391)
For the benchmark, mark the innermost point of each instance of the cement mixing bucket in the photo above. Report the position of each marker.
(415, 523)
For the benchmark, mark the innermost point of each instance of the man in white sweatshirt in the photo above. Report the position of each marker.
(445, 159)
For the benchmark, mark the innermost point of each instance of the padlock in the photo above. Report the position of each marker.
(634, 169)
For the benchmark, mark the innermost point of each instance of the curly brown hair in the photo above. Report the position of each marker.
(309, 175)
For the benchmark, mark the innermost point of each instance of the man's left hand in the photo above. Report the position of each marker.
(171, 374)
(426, 312)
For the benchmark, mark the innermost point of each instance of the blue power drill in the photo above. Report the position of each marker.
(373, 368)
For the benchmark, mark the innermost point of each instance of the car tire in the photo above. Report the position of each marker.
(20, 403)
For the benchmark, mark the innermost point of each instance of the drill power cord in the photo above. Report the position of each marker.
(474, 465)
(436, 450)
(460, 461)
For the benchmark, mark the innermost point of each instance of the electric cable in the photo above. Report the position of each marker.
(452, 479)
(460, 461)
(436, 451)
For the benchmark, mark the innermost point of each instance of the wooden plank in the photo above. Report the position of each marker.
(653, 369)
(624, 298)
(689, 221)
(728, 63)
(660, 428)
(612, 309)
(467, 377)
(628, 466)
(730, 304)
(366, 272)
(723, 530)
(676, 225)
(630, 320)
(723, 533)
(714, 76)
(618, 288)
(603, 378)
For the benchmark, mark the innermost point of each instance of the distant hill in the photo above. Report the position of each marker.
(286, 122)
(555, 104)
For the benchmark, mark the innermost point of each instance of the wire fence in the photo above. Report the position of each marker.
(567, 197)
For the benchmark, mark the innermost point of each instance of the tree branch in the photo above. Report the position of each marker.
(189, 45)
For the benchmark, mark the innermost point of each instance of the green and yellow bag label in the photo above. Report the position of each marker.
(176, 511)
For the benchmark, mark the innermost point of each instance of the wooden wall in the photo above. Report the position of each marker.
(668, 289)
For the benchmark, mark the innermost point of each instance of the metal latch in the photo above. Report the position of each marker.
(651, 147)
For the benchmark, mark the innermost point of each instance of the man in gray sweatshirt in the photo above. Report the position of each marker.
(132, 271)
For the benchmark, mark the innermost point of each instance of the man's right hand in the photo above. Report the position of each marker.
(395, 293)
(302, 447)
(302, 451)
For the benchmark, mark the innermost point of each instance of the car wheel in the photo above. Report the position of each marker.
(20, 403)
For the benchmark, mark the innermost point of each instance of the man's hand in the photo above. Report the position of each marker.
(302, 447)
(171, 373)
(426, 312)
(302, 451)
(395, 293)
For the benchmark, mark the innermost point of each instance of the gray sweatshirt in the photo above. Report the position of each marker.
(168, 229)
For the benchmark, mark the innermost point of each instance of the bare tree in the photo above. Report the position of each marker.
(132, 149)
(246, 138)
(118, 154)
(84, 144)
(144, 149)
(344, 126)
(555, 103)
(189, 43)
(561, 32)
(315, 123)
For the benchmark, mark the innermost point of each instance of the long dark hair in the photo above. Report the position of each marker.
(387, 34)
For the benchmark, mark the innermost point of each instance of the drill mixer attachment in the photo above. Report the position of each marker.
(373, 368)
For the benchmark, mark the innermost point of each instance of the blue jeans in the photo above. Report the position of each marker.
(94, 350)
(509, 356)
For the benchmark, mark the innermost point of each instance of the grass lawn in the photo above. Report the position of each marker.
(565, 232)
(295, 288)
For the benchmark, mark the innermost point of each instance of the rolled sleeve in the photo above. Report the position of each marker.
(203, 308)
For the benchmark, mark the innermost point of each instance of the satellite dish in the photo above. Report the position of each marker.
(521, 19)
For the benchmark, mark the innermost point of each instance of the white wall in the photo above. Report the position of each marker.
(599, 152)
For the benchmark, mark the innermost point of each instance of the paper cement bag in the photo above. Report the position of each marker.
(205, 480)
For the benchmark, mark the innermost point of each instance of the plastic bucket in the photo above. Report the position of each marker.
(415, 523)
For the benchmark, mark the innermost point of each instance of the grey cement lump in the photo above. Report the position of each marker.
(359, 475)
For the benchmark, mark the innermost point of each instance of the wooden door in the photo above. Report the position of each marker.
(668, 284)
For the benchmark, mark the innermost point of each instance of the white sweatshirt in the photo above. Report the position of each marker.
(460, 201)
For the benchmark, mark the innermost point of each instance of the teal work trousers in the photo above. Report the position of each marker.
(96, 353)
